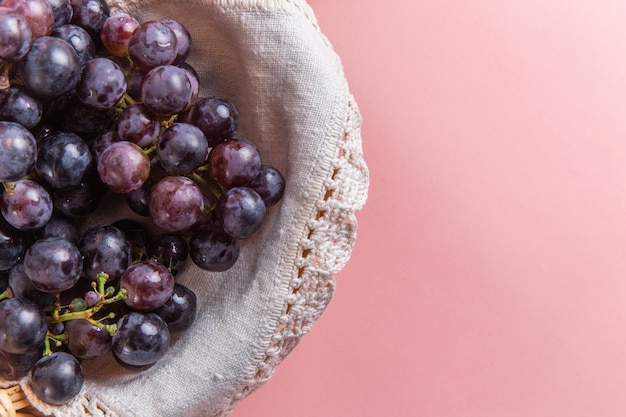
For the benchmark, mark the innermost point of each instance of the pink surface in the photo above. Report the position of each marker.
(489, 275)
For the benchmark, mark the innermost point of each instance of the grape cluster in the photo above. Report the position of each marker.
(94, 104)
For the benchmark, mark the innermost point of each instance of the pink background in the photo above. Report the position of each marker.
(489, 275)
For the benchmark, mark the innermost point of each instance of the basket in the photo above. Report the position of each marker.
(272, 60)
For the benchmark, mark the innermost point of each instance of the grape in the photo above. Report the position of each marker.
(80, 201)
(149, 285)
(182, 148)
(138, 124)
(169, 249)
(166, 90)
(57, 378)
(79, 39)
(217, 118)
(104, 249)
(270, 184)
(22, 325)
(123, 167)
(235, 162)
(138, 200)
(133, 83)
(16, 35)
(59, 226)
(90, 14)
(38, 14)
(152, 44)
(101, 142)
(102, 84)
(116, 32)
(179, 312)
(27, 206)
(212, 249)
(22, 287)
(241, 211)
(176, 203)
(11, 245)
(63, 12)
(18, 151)
(183, 40)
(63, 160)
(53, 264)
(141, 340)
(86, 341)
(74, 116)
(14, 366)
(51, 67)
(137, 236)
(17, 105)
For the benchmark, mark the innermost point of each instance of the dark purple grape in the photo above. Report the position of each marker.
(235, 162)
(153, 43)
(23, 287)
(23, 325)
(63, 12)
(241, 211)
(182, 148)
(138, 124)
(50, 68)
(27, 206)
(212, 249)
(14, 366)
(179, 312)
(116, 33)
(73, 116)
(133, 83)
(57, 378)
(169, 249)
(138, 237)
(79, 39)
(17, 105)
(105, 249)
(166, 90)
(138, 200)
(176, 203)
(86, 341)
(101, 142)
(149, 285)
(270, 184)
(53, 264)
(216, 117)
(90, 14)
(123, 167)
(183, 40)
(141, 340)
(38, 13)
(11, 245)
(80, 201)
(63, 160)
(59, 226)
(102, 84)
(18, 151)
(16, 35)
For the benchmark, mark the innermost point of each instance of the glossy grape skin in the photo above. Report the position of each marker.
(235, 162)
(50, 68)
(141, 340)
(11, 245)
(179, 312)
(57, 378)
(102, 84)
(101, 142)
(86, 341)
(241, 211)
(105, 249)
(79, 39)
(59, 226)
(153, 43)
(182, 148)
(166, 90)
(123, 167)
(38, 14)
(18, 151)
(169, 249)
(63, 160)
(176, 203)
(90, 14)
(183, 40)
(80, 201)
(138, 124)
(116, 32)
(17, 105)
(138, 200)
(63, 12)
(22, 287)
(15, 35)
(216, 117)
(27, 207)
(149, 285)
(23, 325)
(212, 249)
(14, 366)
(74, 116)
(53, 264)
(137, 235)
(270, 184)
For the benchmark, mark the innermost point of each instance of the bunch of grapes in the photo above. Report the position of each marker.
(94, 104)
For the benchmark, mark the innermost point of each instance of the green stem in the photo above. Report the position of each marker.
(6, 294)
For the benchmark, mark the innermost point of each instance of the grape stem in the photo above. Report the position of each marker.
(6, 294)
(5, 75)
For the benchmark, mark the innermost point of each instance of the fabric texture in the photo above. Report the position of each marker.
(270, 58)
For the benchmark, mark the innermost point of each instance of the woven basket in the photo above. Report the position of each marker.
(269, 57)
